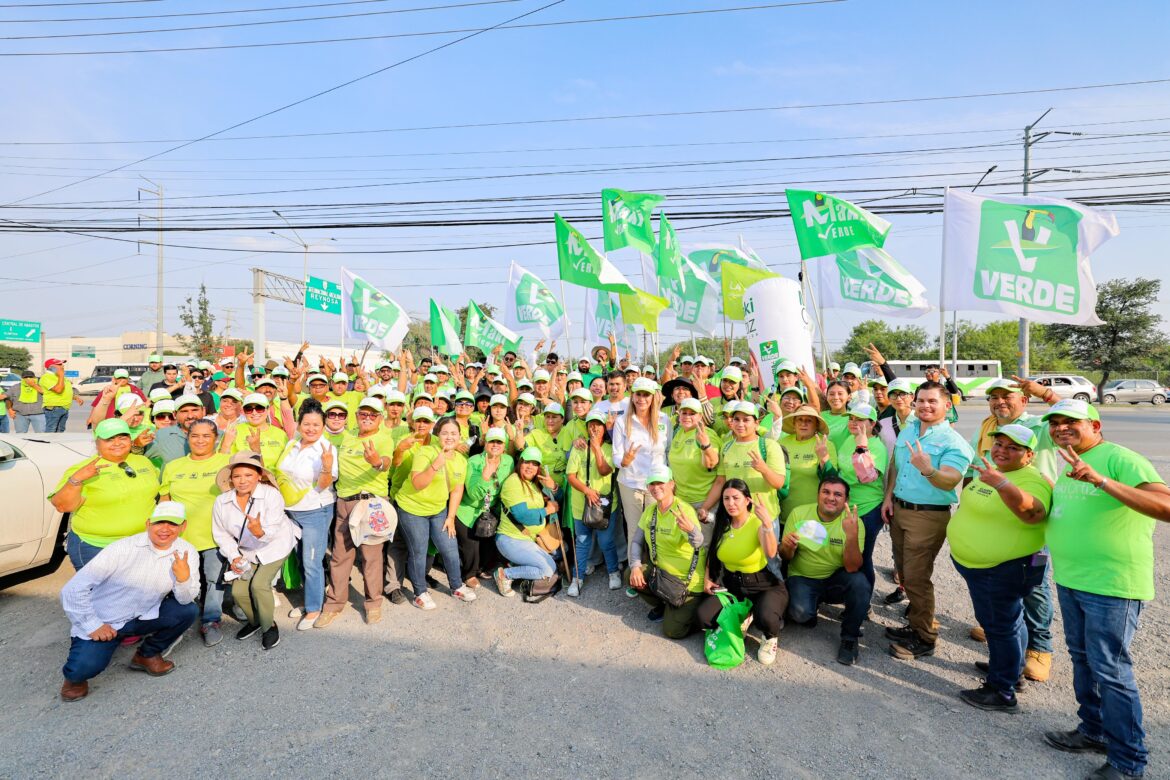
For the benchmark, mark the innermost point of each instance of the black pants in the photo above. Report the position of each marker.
(768, 595)
(469, 553)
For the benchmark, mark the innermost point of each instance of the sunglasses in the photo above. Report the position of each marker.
(368, 415)
(127, 470)
(166, 416)
(253, 408)
(337, 415)
(463, 403)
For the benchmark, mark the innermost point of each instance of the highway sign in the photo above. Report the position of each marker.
(23, 330)
(323, 295)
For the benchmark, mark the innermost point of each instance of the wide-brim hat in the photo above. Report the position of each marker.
(668, 389)
(789, 424)
(223, 480)
(593, 352)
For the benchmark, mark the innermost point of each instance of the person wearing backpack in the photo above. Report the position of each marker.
(742, 544)
(758, 462)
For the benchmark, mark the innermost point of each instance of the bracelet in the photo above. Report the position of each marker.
(933, 471)
(74, 482)
(1103, 483)
(1002, 485)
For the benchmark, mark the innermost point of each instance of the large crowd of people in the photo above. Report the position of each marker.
(692, 488)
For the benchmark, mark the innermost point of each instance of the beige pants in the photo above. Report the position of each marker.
(917, 537)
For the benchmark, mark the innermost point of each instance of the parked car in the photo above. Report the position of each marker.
(33, 532)
(8, 380)
(1135, 391)
(1069, 386)
(92, 386)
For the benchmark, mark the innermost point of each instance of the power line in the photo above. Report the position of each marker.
(64, 5)
(183, 13)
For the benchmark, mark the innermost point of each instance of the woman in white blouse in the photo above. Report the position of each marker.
(306, 472)
(255, 536)
(641, 439)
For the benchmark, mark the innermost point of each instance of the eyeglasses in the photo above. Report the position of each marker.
(463, 403)
(368, 415)
(127, 470)
(164, 416)
(337, 415)
(250, 408)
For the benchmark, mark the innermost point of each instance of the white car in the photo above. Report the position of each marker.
(32, 533)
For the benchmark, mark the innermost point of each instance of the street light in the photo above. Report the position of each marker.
(306, 246)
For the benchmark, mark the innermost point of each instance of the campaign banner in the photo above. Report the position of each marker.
(778, 326)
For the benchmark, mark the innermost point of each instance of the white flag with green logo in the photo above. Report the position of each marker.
(370, 315)
(1027, 257)
(603, 316)
(531, 304)
(695, 301)
(869, 279)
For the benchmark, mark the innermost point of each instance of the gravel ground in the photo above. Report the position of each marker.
(573, 688)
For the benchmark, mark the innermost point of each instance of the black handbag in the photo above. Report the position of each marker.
(488, 522)
(596, 516)
(663, 584)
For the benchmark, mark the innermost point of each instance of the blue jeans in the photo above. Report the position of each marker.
(1038, 615)
(212, 564)
(418, 530)
(1098, 631)
(55, 419)
(314, 525)
(88, 658)
(997, 594)
(841, 587)
(872, 520)
(529, 562)
(25, 421)
(606, 540)
(80, 552)
(4, 422)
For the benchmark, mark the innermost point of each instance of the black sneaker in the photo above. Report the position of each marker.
(271, 638)
(984, 667)
(398, 597)
(1074, 742)
(847, 653)
(248, 630)
(1109, 772)
(656, 615)
(909, 649)
(987, 698)
(898, 596)
(901, 633)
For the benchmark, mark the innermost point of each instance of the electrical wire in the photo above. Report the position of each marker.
(186, 13)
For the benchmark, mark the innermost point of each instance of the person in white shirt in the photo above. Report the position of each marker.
(254, 536)
(142, 585)
(616, 403)
(641, 439)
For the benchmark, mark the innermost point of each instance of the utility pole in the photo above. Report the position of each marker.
(305, 246)
(158, 302)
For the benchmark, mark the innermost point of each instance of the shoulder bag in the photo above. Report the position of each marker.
(596, 516)
(663, 584)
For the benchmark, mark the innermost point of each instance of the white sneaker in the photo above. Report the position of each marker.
(615, 580)
(305, 623)
(767, 654)
(424, 602)
(503, 584)
(590, 568)
(464, 593)
(574, 588)
(296, 612)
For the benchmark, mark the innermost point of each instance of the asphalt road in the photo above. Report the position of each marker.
(575, 688)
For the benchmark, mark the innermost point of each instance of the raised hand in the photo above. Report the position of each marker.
(254, 526)
(254, 440)
(919, 459)
(326, 459)
(180, 568)
(89, 470)
(822, 448)
(1029, 387)
(1080, 470)
(757, 462)
(987, 472)
(371, 454)
(145, 438)
(875, 355)
(631, 453)
(849, 521)
(701, 435)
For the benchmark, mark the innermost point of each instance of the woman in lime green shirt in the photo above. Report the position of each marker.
(863, 467)
(759, 462)
(837, 394)
(743, 542)
(694, 459)
(811, 456)
(525, 513)
(486, 473)
(995, 536)
(590, 473)
(256, 433)
(427, 502)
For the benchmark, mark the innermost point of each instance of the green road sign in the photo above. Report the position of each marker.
(323, 295)
(20, 330)
(83, 351)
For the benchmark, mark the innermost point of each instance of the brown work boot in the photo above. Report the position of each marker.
(1037, 665)
(74, 691)
(978, 634)
(155, 666)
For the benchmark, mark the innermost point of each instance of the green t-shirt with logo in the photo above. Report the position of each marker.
(578, 460)
(735, 463)
(192, 484)
(803, 478)
(354, 473)
(983, 532)
(433, 498)
(692, 479)
(1098, 544)
(54, 400)
(480, 493)
(555, 450)
(672, 544)
(114, 505)
(819, 564)
(865, 495)
(272, 442)
(839, 433)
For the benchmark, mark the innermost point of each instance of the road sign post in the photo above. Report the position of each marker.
(25, 330)
(322, 295)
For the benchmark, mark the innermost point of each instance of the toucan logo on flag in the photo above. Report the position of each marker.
(1028, 255)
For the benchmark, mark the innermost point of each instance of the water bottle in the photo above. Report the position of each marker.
(863, 467)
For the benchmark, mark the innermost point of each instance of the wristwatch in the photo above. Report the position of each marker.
(705, 447)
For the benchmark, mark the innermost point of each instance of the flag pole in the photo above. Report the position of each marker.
(942, 313)
(806, 279)
(565, 309)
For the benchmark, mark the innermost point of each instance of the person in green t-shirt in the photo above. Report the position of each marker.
(759, 462)
(669, 537)
(863, 467)
(554, 442)
(590, 473)
(822, 543)
(836, 416)
(811, 456)
(526, 509)
(256, 432)
(693, 458)
(996, 538)
(57, 395)
(1100, 533)
(486, 473)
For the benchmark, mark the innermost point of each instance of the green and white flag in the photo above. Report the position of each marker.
(444, 330)
(826, 225)
(626, 219)
(369, 315)
(711, 257)
(869, 279)
(668, 257)
(484, 333)
(602, 317)
(531, 304)
(642, 308)
(695, 302)
(736, 279)
(1023, 256)
(583, 265)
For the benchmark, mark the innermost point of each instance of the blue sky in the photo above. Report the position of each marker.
(860, 50)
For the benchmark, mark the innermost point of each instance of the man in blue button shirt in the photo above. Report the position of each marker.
(929, 461)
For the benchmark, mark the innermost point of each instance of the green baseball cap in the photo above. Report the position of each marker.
(422, 413)
(1003, 384)
(187, 400)
(121, 373)
(1070, 407)
(596, 417)
(864, 411)
(690, 404)
(168, 512)
(108, 429)
(659, 475)
(496, 434)
(532, 455)
(1020, 434)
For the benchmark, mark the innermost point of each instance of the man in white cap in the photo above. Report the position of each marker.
(170, 443)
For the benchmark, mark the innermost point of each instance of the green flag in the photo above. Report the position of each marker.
(736, 279)
(371, 315)
(668, 258)
(626, 219)
(826, 225)
(444, 330)
(583, 265)
(642, 308)
(484, 333)
(712, 257)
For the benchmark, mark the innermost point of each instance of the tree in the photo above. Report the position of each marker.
(905, 342)
(999, 340)
(711, 347)
(418, 334)
(1131, 337)
(16, 358)
(197, 318)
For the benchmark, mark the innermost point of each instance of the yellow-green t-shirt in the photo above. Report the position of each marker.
(578, 460)
(53, 400)
(983, 532)
(819, 564)
(517, 492)
(803, 480)
(351, 398)
(432, 499)
(402, 470)
(866, 495)
(555, 450)
(692, 479)
(739, 548)
(838, 429)
(272, 442)
(735, 463)
(672, 547)
(114, 504)
(192, 483)
(354, 473)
